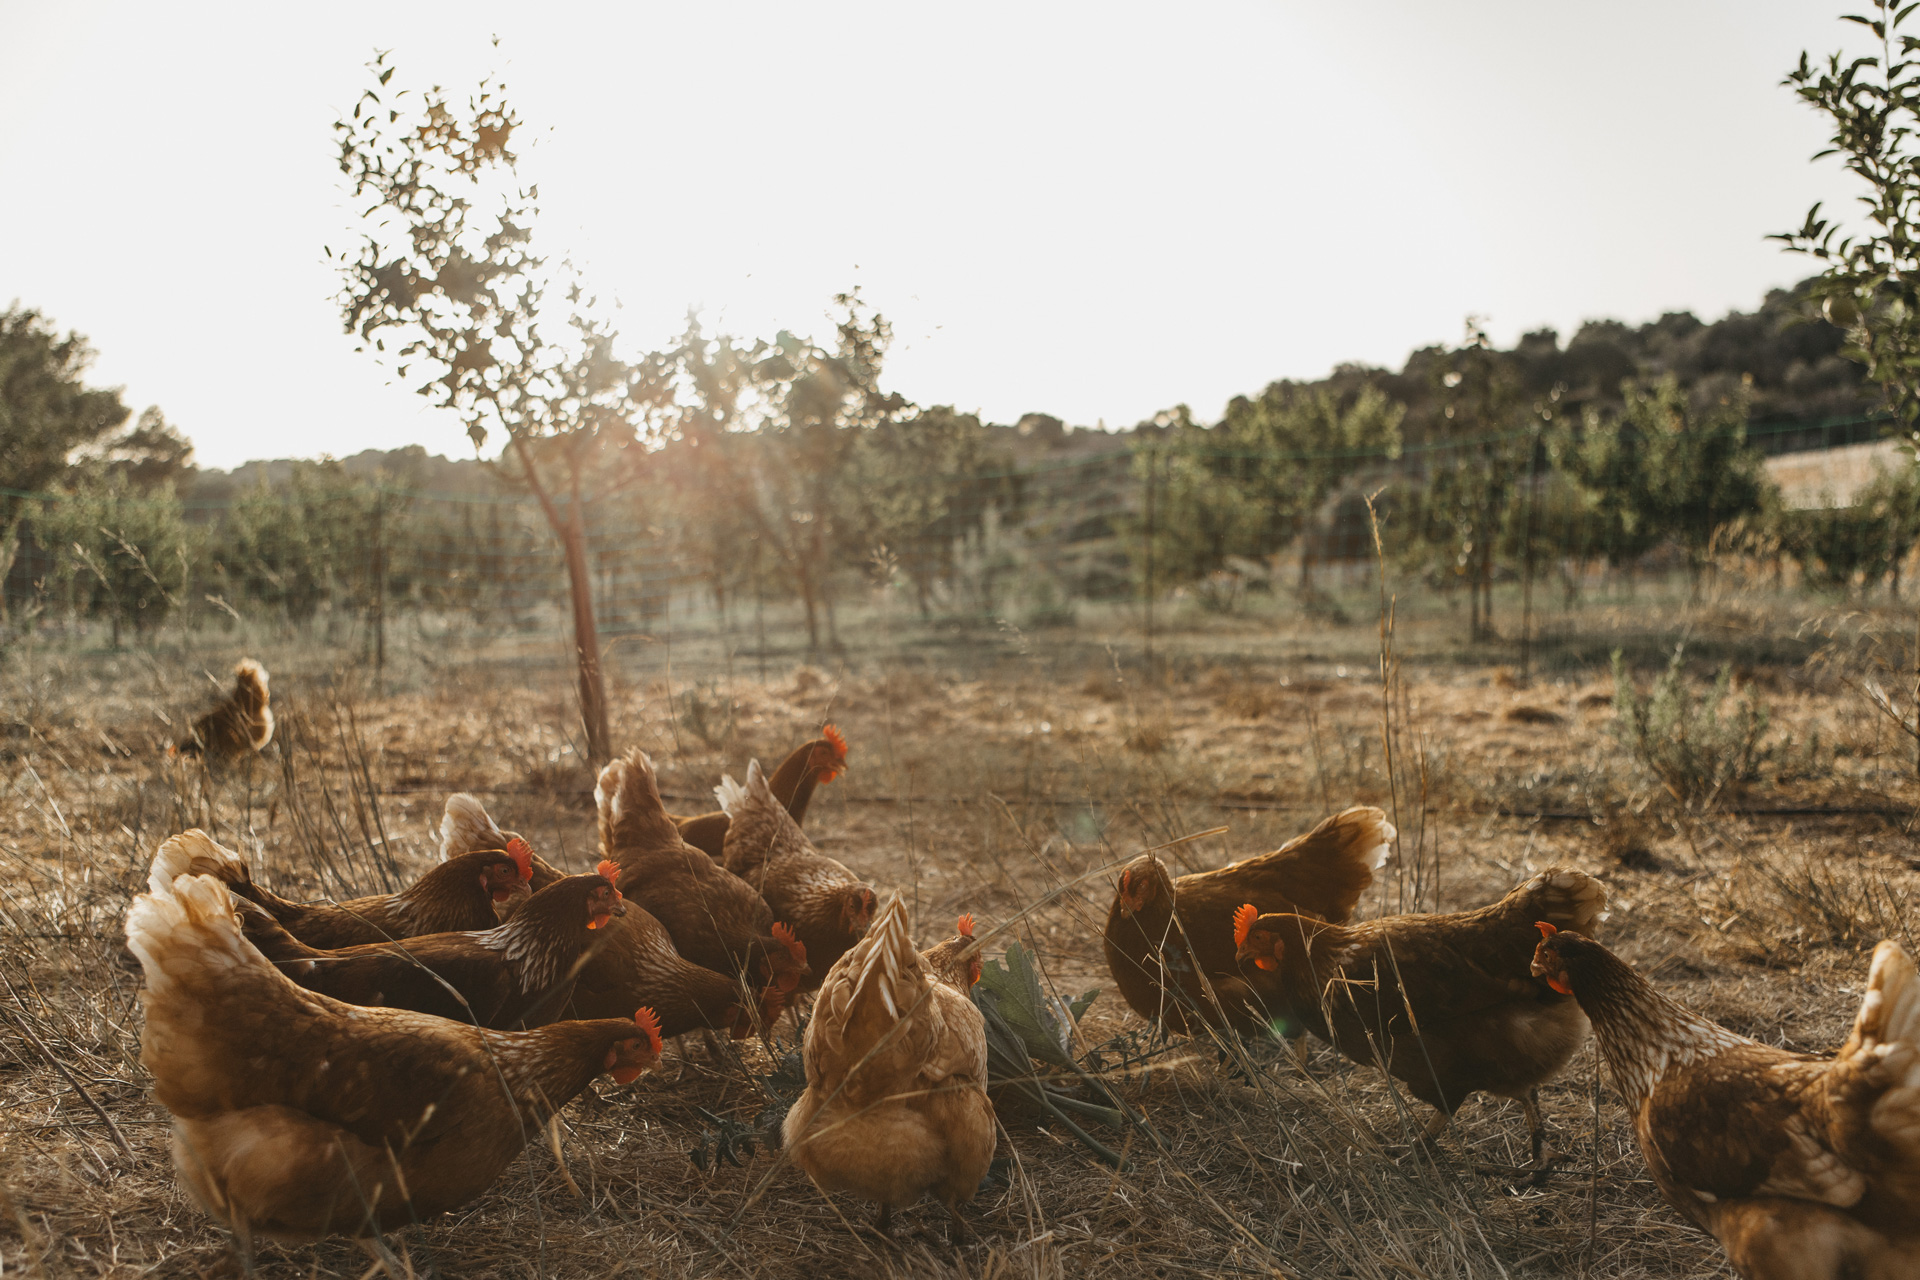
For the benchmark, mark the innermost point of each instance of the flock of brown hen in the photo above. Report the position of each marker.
(423, 1038)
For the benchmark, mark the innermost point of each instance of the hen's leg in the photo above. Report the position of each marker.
(242, 1241)
(883, 1220)
(1537, 1134)
(1435, 1127)
(958, 1233)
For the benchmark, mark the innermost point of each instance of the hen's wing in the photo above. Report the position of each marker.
(1738, 1124)
(1752, 1120)
(1464, 962)
(633, 962)
(448, 975)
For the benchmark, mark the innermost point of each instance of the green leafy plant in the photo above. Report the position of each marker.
(1696, 745)
(1871, 285)
(1024, 1027)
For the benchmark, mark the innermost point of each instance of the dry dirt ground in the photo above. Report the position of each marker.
(1005, 796)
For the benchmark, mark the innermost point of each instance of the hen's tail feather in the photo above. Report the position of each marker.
(1326, 869)
(1886, 1034)
(884, 962)
(878, 985)
(737, 797)
(185, 928)
(1565, 898)
(627, 795)
(250, 692)
(195, 853)
(250, 683)
(1889, 1020)
(758, 825)
(465, 827)
(1370, 836)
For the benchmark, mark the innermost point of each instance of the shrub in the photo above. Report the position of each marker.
(1695, 745)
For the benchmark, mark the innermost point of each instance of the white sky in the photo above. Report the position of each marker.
(1094, 210)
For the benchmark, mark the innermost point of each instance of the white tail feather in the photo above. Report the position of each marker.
(466, 827)
(1383, 835)
(191, 921)
(732, 795)
(885, 957)
(176, 855)
(1890, 1011)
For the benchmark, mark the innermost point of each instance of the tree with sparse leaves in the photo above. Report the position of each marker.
(923, 483)
(814, 403)
(1451, 521)
(448, 287)
(1871, 283)
(1251, 484)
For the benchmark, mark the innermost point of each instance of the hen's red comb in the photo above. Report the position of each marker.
(831, 762)
(787, 938)
(522, 855)
(1546, 930)
(609, 871)
(1243, 923)
(965, 925)
(649, 1022)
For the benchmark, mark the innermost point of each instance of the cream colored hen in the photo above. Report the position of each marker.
(896, 1099)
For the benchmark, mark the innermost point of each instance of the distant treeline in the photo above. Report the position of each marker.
(1624, 446)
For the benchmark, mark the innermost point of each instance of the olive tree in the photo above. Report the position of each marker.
(447, 286)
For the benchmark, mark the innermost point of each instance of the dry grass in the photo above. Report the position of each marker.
(982, 793)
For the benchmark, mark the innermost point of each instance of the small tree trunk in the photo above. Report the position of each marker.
(1473, 611)
(571, 529)
(9, 547)
(808, 597)
(586, 645)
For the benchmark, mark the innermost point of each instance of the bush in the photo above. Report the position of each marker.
(1695, 746)
(123, 555)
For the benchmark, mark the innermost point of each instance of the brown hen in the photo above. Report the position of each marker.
(896, 1060)
(634, 960)
(827, 905)
(296, 1116)
(716, 918)
(239, 725)
(1804, 1167)
(517, 974)
(1159, 926)
(1444, 1002)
